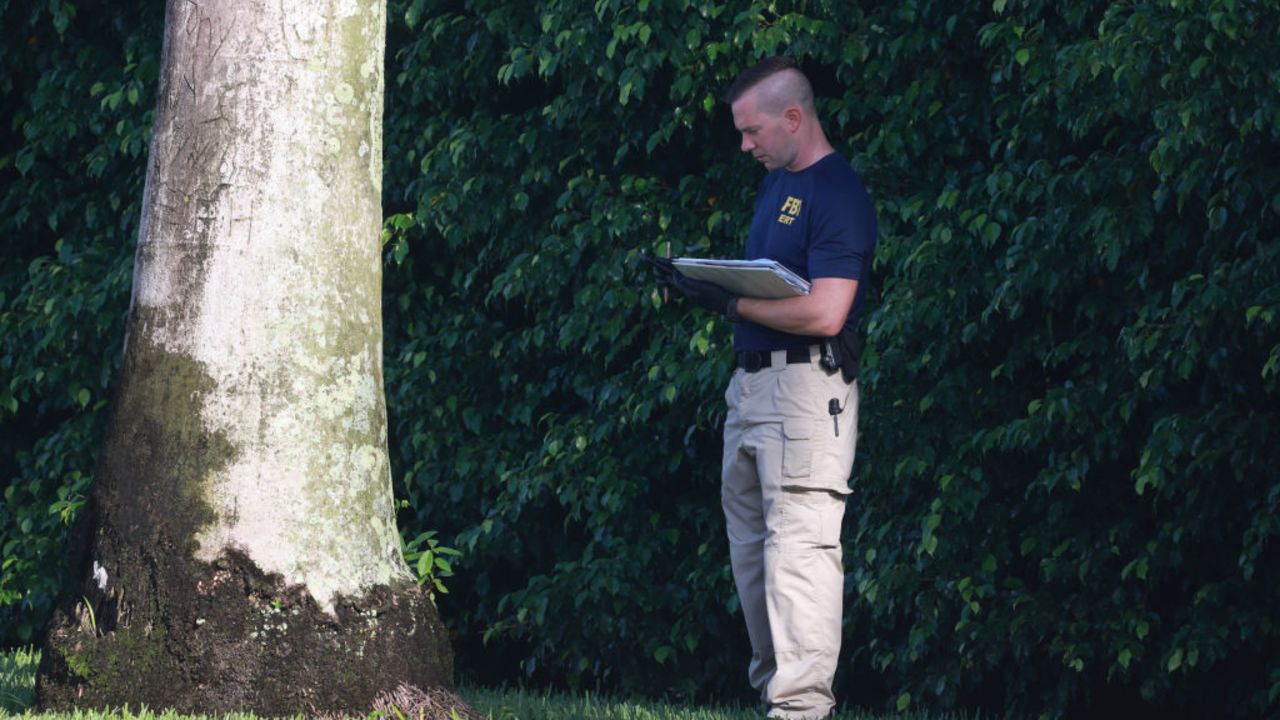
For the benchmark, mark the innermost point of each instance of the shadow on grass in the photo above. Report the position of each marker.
(541, 705)
(18, 681)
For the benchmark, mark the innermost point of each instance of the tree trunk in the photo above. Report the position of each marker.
(241, 548)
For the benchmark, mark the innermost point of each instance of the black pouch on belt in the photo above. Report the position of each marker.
(851, 344)
(843, 352)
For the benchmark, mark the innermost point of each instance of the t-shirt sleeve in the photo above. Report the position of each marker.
(843, 235)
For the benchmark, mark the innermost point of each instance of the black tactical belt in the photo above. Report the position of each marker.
(753, 360)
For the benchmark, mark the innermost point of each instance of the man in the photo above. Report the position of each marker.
(791, 427)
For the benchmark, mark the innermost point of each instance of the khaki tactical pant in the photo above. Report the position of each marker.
(783, 487)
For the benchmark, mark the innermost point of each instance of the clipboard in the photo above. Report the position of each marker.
(764, 278)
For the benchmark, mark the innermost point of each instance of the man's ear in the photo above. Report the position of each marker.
(792, 116)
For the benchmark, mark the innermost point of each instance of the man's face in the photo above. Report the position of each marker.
(764, 135)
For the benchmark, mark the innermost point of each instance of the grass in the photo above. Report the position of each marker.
(534, 705)
(18, 678)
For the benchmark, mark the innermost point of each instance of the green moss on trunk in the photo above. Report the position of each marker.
(150, 622)
(241, 640)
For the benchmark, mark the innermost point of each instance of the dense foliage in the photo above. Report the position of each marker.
(77, 92)
(1067, 479)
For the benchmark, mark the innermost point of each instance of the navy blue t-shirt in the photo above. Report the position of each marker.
(819, 222)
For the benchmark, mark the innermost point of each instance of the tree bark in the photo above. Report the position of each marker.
(241, 543)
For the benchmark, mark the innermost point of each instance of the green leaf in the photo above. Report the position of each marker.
(112, 100)
(991, 233)
(25, 159)
(930, 544)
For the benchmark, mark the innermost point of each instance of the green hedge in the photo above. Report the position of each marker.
(77, 92)
(1067, 485)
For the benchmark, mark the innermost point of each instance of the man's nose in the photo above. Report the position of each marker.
(747, 145)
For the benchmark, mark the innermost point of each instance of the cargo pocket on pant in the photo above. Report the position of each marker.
(812, 517)
(797, 449)
(814, 460)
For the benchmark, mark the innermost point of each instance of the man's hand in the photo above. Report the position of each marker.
(708, 295)
(664, 272)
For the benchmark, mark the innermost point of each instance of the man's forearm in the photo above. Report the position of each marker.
(821, 313)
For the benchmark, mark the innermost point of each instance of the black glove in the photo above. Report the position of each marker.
(664, 272)
(708, 295)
